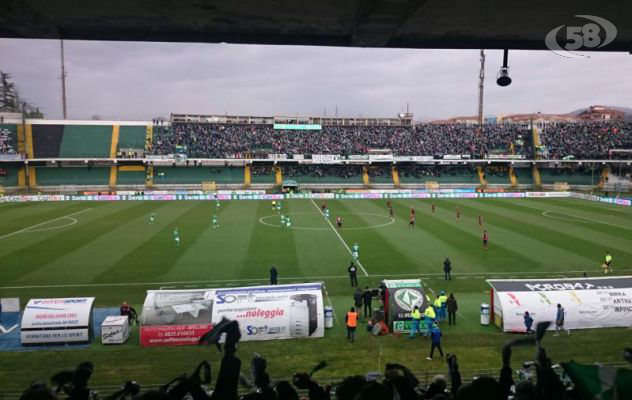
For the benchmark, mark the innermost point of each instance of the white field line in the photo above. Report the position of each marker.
(297, 279)
(340, 237)
(546, 214)
(44, 223)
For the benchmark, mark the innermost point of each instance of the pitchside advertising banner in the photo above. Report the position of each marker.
(57, 320)
(181, 317)
(439, 194)
(588, 302)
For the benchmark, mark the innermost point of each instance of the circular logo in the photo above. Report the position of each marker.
(408, 298)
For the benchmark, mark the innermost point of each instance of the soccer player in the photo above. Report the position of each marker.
(217, 204)
(176, 237)
(326, 213)
(339, 222)
(480, 220)
(458, 213)
(355, 252)
(152, 218)
(282, 221)
(485, 239)
(215, 221)
(411, 221)
(323, 206)
(433, 208)
(388, 204)
(273, 205)
(390, 210)
(278, 206)
(606, 264)
(288, 222)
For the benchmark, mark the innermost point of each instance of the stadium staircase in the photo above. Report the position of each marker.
(247, 178)
(149, 179)
(537, 179)
(512, 177)
(395, 176)
(605, 172)
(365, 176)
(278, 176)
(113, 150)
(481, 176)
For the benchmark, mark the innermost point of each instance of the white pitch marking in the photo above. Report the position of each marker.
(300, 279)
(340, 237)
(546, 214)
(72, 222)
(44, 223)
(357, 228)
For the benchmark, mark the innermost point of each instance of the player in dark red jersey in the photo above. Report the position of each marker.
(458, 213)
(485, 239)
(433, 208)
(411, 221)
(339, 222)
(412, 211)
(323, 206)
(390, 211)
(480, 220)
(388, 204)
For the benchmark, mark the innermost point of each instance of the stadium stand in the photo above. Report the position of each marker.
(81, 176)
(585, 140)
(572, 176)
(197, 175)
(324, 174)
(85, 141)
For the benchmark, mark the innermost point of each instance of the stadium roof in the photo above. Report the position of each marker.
(465, 24)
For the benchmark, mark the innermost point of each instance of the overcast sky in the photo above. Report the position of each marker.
(123, 80)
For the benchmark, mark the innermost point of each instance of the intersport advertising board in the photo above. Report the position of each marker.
(273, 312)
(587, 302)
(181, 317)
(57, 320)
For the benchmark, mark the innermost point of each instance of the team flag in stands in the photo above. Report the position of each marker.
(600, 382)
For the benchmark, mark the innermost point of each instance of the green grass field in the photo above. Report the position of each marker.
(110, 251)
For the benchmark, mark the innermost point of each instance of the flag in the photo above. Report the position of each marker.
(600, 382)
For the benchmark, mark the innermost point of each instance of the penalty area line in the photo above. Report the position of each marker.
(340, 237)
(44, 223)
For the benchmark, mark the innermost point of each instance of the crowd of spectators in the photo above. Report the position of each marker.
(321, 171)
(435, 171)
(235, 141)
(539, 379)
(585, 140)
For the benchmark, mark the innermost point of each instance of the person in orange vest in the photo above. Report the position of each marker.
(352, 322)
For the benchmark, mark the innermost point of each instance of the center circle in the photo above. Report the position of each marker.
(313, 215)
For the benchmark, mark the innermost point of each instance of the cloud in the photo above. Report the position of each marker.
(131, 80)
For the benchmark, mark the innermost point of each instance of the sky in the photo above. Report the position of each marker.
(139, 81)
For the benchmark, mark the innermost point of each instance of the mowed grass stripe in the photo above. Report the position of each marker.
(467, 238)
(218, 253)
(91, 257)
(587, 240)
(607, 222)
(19, 263)
(557, 247)
(386, 249)
(320, 252)
(157, 254)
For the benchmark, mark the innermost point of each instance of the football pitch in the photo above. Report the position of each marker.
(111, 251)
